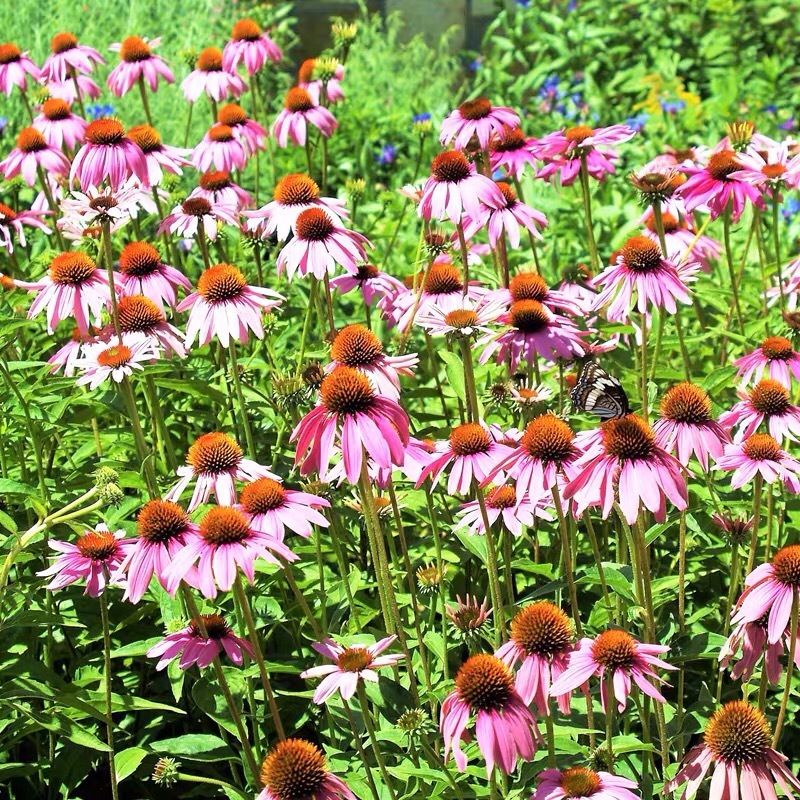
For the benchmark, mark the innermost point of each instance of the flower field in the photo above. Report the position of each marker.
(392, 425)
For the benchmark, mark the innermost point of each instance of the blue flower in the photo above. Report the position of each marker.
(386, 155)
(770, 109)
(476, 64)
(638, 122)
(3, 124)
(523, 3)
(790, 208)
(423, 117)
(789, 125)
(672, 106)
(572, 5)
(98, 111)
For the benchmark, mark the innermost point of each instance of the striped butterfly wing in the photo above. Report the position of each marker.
(599, 393)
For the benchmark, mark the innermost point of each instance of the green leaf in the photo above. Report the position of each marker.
(195, 747)
(454, 370)
(128, 761)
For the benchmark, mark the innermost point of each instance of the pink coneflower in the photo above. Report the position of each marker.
(770, 169)
(361, 420)
(215, 461)
(736, 529)
(777, 356)
(67, 58)
(94, 557)
(251, 46)
(138, 314)
(137, 61)
(767, 402)
(221, 543)
(73, 287)
(419, 453)
(685, 425)
(577, 285)
(564, 150)
(468, 318)
(532, 286)
(271, 508)
(624, 657)
(714, 187)
(541, 637)
(187, 218)
(511, 150)
(219, 149)
(470, 452)
(218, 188)
(31, 154)
(582, 782)
(319, 244)
(296, 770)
(508, 219)
(771, 590)
(142, 272)
(546, 451)
(211, 79)
(643, 272)
(358, 347)
(332, 86)
(14, 68)
(478, 118)
(196, 648)
(354, 663)
(737, 741)
(108, 154)
(751, 639)
(760, 454)
(298, 113)
(628, 459)
(505, 728)
(373, 284)
(159, 157)
(225, 306)
(533, 331)
(246, 130)
(293, 194)
(59, 126)
(502, 503)
(115, 359)
(680, 237)
(455, 188)
(161, 527)
(13, 221)
(66, 357)
(67, 91)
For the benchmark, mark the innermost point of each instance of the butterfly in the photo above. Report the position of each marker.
(599, 393)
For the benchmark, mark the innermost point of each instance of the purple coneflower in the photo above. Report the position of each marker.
(108, 154)
(209, 78)
(67, 58)
(250, 46)
(137, 60)
(32, 154)
(478, 118)
(298, 113)
(271, 508)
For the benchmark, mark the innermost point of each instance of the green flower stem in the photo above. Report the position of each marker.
(770, 517)
(312, 300)
(777, 245)
(27, 104)
(145, 101)
(789, 670)
(360, 750)
(726, 235)
(682, 614)
(437, 759)
(598, 560)
(335, 531)
(437, 543)
(145, 454)
(252, 631)
(376, 748)
(567, 559)
(610, 702)
(188, 125)
(226, 787)
(107, 688)
(551, 741)
(590, 722)
(50, 202)
(109, 258)
(78, 96)
(587, 212)
(758, 485)
(237, 385)
(462, 247)
(531, 237)
(202, 241)
(329, 306)
(643, 558)
(155, 409)
(643, 322)
(301, 601)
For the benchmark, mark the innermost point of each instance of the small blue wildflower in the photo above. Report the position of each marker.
(476, 64)
(3, 124)
(672, 106)
(97, 111)
(790, 208)
(423, 117)
(638, 122)
(789, 125)
(523, 3)
(386, 155)
(550, 87)
(770, 109)
(499, 175)
(572, 5)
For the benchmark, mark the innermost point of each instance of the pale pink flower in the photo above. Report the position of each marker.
(196, 648)
(776, 356)
(72, 287)
(137, 60)
(59, 126)
(114, 360)
(66, 357)
(300, 763)
(373, 284)
(627, 466)
(333, 86)
(455, 188)
(502, 503)
(94, 557)
(683, 244)
(66, 90)
(294, 193)
(31, 154)
(108, 154)
(511, 150)
(737, 743)
(418, 454)
(225, 306)
(355, 663)
(585, 783)
(364, 423)
(159, 157)
(246, 130)
(15, 66)
(300, 110)
(139, 315)
(319, 244)
(197, 215)
(251, 46)
(215, 461)
(478, 118)
(504, 726)
(760, 454)
(211, 79)
(626, 658)
(218, 188)
(67, 58)
(532, 286)
(768, 403)
(271, 508)
(751, 639)
(467, 317)
(220, 149)
(508, 219)
(12, 222)
(769, 169)
(142, 272)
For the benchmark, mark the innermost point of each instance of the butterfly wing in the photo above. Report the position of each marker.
(599, 393)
